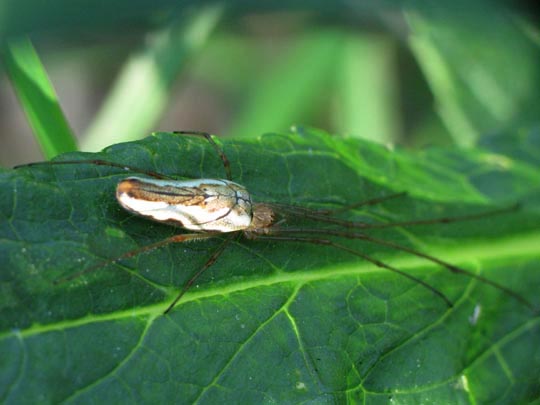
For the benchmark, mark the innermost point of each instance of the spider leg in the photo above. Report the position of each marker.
(132, 253)
(99, 162)
(316, 215)
(378, 263)
(445, 220)
(312, 212)
(454, 269)
(217, 148)
(209, 262)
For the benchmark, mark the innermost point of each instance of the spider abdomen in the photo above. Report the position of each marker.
(200, 205)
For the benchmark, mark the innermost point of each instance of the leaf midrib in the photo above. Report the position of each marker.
(501, 250)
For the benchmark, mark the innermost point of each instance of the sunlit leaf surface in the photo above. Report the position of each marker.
(271, 321)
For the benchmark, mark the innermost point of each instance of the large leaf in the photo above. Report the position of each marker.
(270, 321)
(465, 59)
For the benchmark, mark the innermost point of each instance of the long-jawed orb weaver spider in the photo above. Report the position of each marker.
(211, 208)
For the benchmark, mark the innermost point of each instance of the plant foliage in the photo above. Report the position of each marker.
(271, 321)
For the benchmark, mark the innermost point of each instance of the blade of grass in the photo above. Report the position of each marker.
(142, 88)
(367, 90)
(38, 98)
(289, 92)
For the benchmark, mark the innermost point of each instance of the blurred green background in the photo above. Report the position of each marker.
(409, 73)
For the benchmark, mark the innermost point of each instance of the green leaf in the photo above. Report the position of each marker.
(38, 98)
(270, 321)
(471, 61)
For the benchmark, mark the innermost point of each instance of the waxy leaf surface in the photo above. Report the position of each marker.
(272, 321)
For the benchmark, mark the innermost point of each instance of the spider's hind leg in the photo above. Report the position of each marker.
(98, 162)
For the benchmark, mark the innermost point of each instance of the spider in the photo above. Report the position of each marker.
(211, 208)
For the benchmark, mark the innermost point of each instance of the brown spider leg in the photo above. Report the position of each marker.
(454, 269)
(173, 239)
(327, 242)
(217, 148)
(99, 162)
(373, 201)
(208, 263)
(313, 214)
(446, 220)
